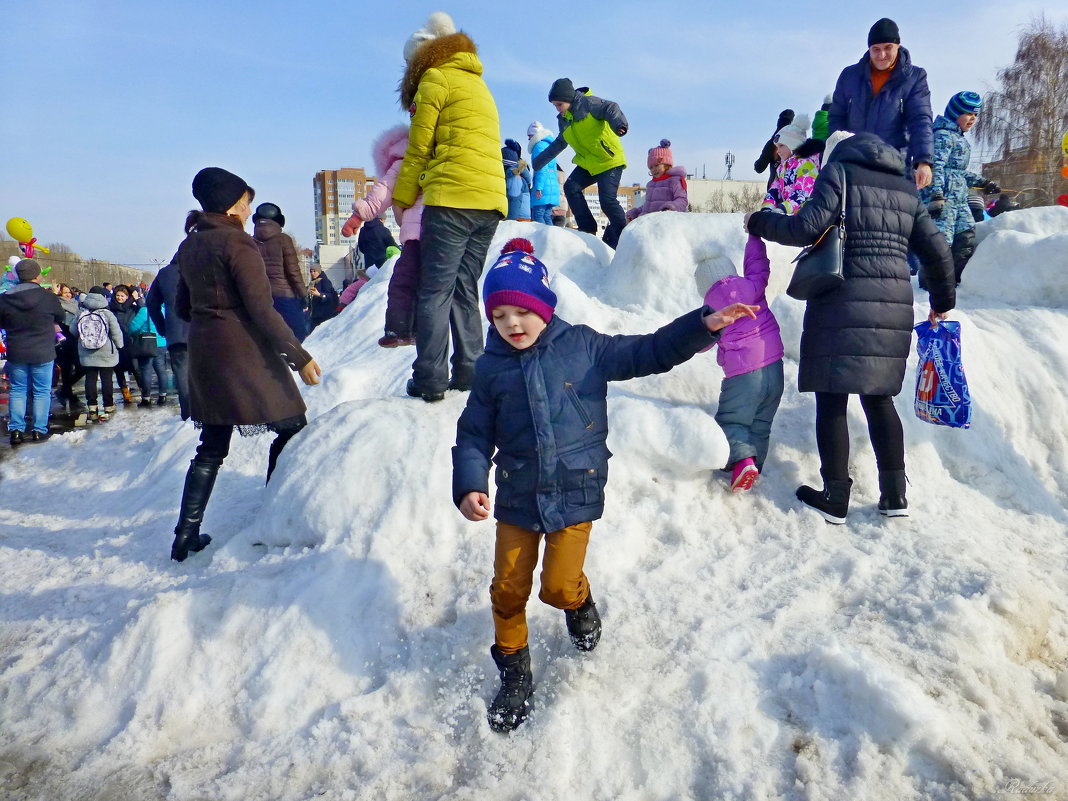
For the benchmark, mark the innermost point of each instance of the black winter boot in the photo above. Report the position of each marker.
(584, 625)
(515, 699)
(892, 501)
(199, 481)
(832, 501)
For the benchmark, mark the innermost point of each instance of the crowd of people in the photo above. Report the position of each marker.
(231, 311)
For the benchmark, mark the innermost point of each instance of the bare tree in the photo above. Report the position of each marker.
(746, 199)
(1027, 116)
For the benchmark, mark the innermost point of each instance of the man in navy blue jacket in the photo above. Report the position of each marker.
(30, 313)
(886, 94)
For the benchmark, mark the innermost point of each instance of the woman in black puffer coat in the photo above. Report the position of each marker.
(857, 337)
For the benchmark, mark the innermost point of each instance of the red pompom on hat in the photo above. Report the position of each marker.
(518, 243)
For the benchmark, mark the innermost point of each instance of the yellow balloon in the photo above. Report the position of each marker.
(19, 229)
(1064, 143)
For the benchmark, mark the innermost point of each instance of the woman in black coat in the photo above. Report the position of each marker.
(857, 337)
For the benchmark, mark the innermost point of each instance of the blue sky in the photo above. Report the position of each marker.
(111, 107)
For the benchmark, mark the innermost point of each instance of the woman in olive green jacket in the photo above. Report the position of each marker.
(454, 157)
(592, 127)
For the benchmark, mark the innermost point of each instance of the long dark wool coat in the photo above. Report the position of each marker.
(241, 352)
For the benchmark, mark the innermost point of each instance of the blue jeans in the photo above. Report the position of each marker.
(747, 406)
(157, 363)
(26, 379)
(542, 214)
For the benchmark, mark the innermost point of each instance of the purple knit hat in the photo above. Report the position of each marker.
(517, 278)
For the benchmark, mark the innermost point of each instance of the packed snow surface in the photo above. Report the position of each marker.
(333, 641)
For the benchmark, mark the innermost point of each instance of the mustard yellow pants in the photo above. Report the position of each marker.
(563, 584)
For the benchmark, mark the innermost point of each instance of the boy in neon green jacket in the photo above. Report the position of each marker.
(592, 127)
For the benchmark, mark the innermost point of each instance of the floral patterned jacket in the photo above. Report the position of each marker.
(795, 178)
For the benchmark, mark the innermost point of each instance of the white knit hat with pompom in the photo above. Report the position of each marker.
(438, 24)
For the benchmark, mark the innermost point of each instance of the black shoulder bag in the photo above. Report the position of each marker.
(819, 266)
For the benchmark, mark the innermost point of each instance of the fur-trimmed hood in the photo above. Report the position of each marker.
(389, 148)
(431, 54)
(809, 148)
(536, 133)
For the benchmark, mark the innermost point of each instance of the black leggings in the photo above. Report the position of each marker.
(832, 433)
(215, 442)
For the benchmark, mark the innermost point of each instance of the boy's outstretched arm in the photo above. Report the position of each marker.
(623, 357)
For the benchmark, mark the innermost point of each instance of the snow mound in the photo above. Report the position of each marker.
(332, 642)
(996, 272)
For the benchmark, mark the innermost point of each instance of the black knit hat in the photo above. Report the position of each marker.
(27, 269)
(269, 211)
(883, 32)
(562, 90)
(218, 190)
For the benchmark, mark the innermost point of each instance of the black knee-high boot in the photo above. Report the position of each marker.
(199, 481)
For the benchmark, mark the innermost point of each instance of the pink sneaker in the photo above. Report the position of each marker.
(744, 475)
(391, 340)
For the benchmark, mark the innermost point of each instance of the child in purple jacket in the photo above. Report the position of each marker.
(667, 191)
(750, 353)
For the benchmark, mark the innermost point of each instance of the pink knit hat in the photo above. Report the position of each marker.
(661, 155)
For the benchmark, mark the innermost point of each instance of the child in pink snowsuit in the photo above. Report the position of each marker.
(388, 153)
(667, 191)
(750, 353)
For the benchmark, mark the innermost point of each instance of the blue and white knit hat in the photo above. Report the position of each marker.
(517, 278)
(964, 103)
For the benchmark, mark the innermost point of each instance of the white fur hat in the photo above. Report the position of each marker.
(536, 132)
(832, 141)
(711, 270)
(438, 24)
(795, 133)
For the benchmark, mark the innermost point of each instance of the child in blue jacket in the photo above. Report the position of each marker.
(539, 400)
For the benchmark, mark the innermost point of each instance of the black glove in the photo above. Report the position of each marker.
(992, 188)
(934, 207)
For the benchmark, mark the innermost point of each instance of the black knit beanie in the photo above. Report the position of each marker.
(884, 31)
(562, 90)
(218, 190)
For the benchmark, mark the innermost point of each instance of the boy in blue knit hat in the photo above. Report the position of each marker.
(538, 409)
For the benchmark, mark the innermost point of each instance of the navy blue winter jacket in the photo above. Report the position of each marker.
(161, 300)
(372, 243)
(900, 114)
(545, 411)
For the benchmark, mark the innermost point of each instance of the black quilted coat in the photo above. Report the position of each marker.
(856, 338)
